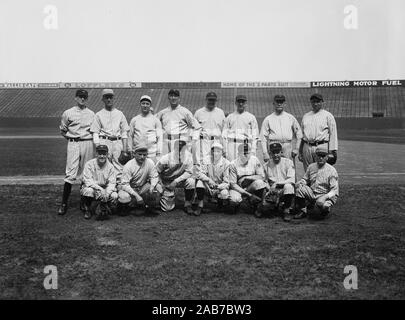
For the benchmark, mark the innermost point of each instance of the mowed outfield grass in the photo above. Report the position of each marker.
(47, 156)
(214, 256)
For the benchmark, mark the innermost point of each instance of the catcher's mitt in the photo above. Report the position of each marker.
(124, 157)
(332, 157)
(271, 200)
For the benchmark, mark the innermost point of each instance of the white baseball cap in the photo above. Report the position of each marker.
(107, 91)
(145, 97)
(217, 145)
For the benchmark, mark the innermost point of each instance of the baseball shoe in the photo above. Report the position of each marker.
(188, 210)
(62, 209)
(197, 212)
(87, 213)
(285, 215)
(258, 213)
(301, 214)
(82, 205)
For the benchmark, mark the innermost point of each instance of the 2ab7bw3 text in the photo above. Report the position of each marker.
(224, 309)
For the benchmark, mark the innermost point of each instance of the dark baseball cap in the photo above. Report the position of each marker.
(211, 95)
(316, 97)
(101, 147)
(279, 98)
(240, 97)
(174, 92)
(82, 93)
(275, 147)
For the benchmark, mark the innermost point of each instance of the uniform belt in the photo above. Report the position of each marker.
(111, 138)
(279, 141)
(235, 140)
(78, 139)
(316, 143)
(209, 137)
(176, 136)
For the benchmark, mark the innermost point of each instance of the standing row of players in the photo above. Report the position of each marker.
(234, 138)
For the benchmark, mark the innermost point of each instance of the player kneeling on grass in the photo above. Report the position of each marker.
(139, 183)
(99, 185)
(319, 186)
(213, 179)
(246, 178)
(280, 174)
(175, 170)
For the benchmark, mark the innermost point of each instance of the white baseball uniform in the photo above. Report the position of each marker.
(238, 169)
(137, 178)
(320, 184)
(170, 169)
(75, 127)
(146, 130)
(238, 128)
(319, 127)
(282, 128)
(109, 128)
(212, 124)
(219, 173)
(282, 172)
(96, 179)
(178, 123)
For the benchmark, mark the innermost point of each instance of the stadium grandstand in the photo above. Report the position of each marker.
(343, 102)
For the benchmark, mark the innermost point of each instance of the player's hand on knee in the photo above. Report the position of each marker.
(294, 153)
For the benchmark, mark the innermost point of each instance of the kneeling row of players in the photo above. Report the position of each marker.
(268, 189)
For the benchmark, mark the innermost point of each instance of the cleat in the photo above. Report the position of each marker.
(301, 215)
(62, 209)
(198, 212)
(188, 210)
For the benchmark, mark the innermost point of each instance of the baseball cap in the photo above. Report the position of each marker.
(321, 150)
(82, 93)
(279, 98)
(101, 147)
(240, 97)
(145, 97)
(217, 145)
(174, 92)
(316, 97)
(211, 95)
(275, 147)
(140, 147)
(244, 147)
(107, 92)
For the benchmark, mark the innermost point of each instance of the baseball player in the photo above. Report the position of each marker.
(110, 127)
(75, 127)
(145, 128)
(240, 127)
(178, 122)
(175, 170)
(318, 128)
(280, 176)
(247, 180)
(282, 127)
(213, 179)
(319, 186)
(211, 118)
(99, 185)
(139, 182)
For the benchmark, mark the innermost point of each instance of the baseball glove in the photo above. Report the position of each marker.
(254, 200)
(332, 157)
(124, 157)
(271, 200)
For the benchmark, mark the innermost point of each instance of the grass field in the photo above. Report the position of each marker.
(215, 256)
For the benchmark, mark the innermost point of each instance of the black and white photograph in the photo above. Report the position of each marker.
(187, 151)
